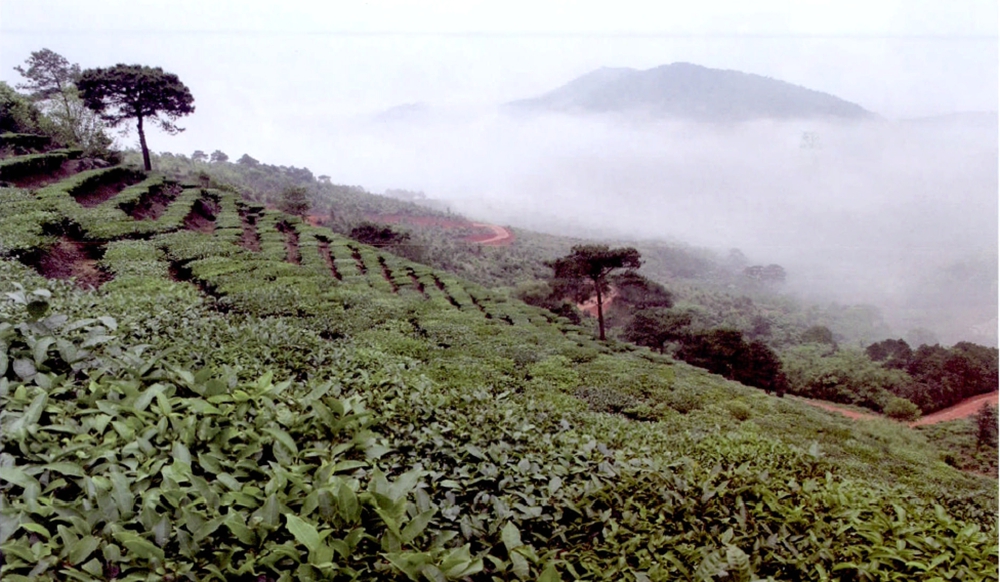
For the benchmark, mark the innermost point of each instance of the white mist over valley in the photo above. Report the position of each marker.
(901, 214)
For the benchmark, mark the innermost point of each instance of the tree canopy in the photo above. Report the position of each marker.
(655, 327)
(594, 263)
(892, 353)
(819, 334)
(378, 235)
(138, 92)
(48, 74)
(986, 426)
(638, 292)
(247, 160)
(50, 80)
(771, 274)
(725, 352)
(17, 113)
(294, 200)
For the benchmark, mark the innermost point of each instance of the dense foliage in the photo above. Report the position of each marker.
(725, 352)
(967, 443)
(294, 200)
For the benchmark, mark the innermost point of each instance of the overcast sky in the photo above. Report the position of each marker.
(257, 69)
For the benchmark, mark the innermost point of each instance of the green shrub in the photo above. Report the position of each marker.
(580, 355)
(898, 408)
(683, 400)
(606, 399)
(29, 165)
(739, 410)
(554, 372)
(266, 420)
(23, 141)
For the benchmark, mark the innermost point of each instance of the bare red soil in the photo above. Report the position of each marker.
(250, 239)
(71, 259)
(590, 306)
(387, 274)
(154, 203)
(356, 254)
(291, 242)
(324, 252)
(498, 235)
(964, 409)
(417, 283)
(202, 216)
(67, 169)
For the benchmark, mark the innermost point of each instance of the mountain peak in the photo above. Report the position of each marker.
(691, 91)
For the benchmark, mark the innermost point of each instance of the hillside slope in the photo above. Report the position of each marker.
(689, 91)
(241, 395)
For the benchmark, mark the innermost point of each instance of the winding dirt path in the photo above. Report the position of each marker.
(501, 236)
(964, 409)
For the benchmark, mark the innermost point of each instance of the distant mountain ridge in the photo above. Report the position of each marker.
(688, 91)
(979, 118)
(404, 112)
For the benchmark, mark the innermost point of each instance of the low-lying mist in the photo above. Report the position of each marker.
(898, 214)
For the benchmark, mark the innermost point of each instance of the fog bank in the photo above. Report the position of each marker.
(900, 214)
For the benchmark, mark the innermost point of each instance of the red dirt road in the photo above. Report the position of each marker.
(963, 409)
(501, 236)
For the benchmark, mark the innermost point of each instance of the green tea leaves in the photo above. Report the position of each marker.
(304, 532)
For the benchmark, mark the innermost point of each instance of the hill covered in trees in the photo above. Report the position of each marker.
(688, 91)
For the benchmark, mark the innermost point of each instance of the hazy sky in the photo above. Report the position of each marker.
(259, 68)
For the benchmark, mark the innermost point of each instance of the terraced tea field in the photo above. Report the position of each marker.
(196, 387)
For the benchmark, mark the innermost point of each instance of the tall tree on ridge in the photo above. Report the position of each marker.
(124, 92)
(595, 263)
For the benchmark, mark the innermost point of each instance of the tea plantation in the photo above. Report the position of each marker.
(193, 387)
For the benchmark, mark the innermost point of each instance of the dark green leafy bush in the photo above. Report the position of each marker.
(30, 165)
(901, 409)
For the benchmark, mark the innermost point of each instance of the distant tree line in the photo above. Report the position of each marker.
(940, 377)
(888, 376)
(646, 308)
